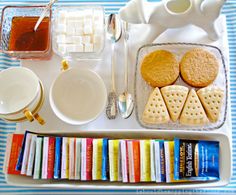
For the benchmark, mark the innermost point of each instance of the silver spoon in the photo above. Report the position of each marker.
(48, 7)
(114, 34)
(125, 100)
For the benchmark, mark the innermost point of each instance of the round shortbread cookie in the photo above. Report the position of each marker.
(199, 67)
(160, 68)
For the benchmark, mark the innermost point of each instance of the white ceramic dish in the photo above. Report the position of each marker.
(225, 158)
(78, 96)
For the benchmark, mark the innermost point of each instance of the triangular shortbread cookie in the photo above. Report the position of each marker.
(193, 112)
(212, 99)
(155, 111)
(175, 97)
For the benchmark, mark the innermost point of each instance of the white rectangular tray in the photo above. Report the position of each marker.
(102, 127)
(225, 158)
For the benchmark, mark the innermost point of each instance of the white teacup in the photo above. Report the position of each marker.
(78, 96)
(21, 95)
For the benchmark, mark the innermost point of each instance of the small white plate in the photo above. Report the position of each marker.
(78, 96)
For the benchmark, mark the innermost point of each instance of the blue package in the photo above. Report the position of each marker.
(196, 160)
(57, 163)
(162, 161)
(105, 159)
(20, 157)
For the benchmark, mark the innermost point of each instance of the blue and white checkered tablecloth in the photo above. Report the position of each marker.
(229, 10)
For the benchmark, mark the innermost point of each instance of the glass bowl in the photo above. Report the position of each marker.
(79, 32)
(8, 13)
(142, 90)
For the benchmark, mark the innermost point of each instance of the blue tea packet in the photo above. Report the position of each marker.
(196, 160)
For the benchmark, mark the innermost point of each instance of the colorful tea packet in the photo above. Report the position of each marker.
(114, 160)
(152, 160)
(71, 158)
(20, 158)
(169, 161)
(57, 162)
(29, 171)
(160, 161)
(15, 148)
(86, 158)
(196, 160)
(51, 157)
(38, 158)
(105, 167)
(145, 161)
(26, 154)
(77, 158)
(45, 158)
(124, 161)
(134, 160)
(65, 158)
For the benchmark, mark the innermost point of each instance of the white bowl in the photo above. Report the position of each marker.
(19, 91)
(78, 96)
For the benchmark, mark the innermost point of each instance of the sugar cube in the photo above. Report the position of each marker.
(71, 31)
(79, 24)
(88, 47)
(88, 29)
(61, 28)
(80, 14)
(62, 15)
(71, 48)
(97, 47)
(71, 15)
(97, 38)
(71, 24)
(88, 13)
(79, 31)
(69, 39)
(62, 48)
(77, 39)
(97, 14)
(61, 39)
(86, 39)
(79, 47)
(98, 29)
(88, 21)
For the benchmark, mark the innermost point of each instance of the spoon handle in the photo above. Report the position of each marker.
(126, 37)
(48, 6)
(113, 67)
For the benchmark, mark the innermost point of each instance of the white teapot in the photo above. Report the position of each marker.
(173, 14)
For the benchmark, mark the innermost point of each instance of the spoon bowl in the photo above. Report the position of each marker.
(125, 104)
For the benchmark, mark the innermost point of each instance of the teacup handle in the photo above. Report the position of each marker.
(64, 65)
(40, 120)
(29, 115)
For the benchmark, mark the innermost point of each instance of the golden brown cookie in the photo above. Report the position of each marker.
(175, 97)
(160, 68)
(212, 100)
(199, 67)
(155, 111)
(193, 112)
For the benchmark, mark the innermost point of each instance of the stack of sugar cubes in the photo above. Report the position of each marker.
(79, 30)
